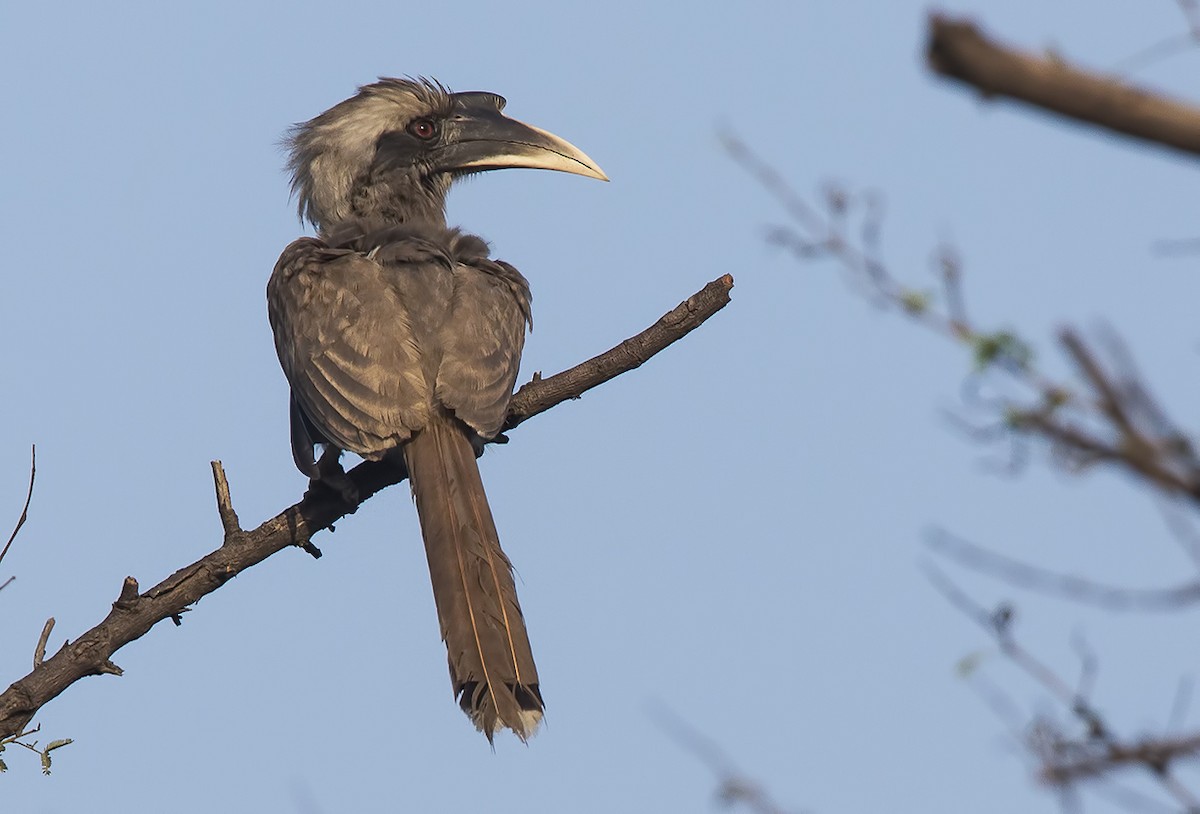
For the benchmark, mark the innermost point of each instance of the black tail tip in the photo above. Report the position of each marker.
(523, 708)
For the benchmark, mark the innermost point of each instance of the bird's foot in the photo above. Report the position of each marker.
(333, 478)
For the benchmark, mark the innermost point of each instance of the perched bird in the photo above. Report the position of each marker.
(401, 339)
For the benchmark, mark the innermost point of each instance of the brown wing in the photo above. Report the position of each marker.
(348, 349)
(482, 341)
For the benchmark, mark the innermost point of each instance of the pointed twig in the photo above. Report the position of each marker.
(25, 508)
(39, 652)
(229, 518)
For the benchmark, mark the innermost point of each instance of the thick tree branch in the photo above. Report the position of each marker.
(134, 612)
(959, 50)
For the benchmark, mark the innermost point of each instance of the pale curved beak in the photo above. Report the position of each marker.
(478, 137)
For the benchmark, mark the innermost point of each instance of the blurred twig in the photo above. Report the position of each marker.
(1064, 759)
(1171, 45)
(1031, 577)
(1177, 247)
(735, 787)
(1106, 417)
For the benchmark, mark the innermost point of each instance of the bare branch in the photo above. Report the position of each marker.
(1179, 247)
(1067, 760)
(998, 623)
(25, 509)
(1191, 12)
(1145, 441)
(134, 613)
(1157, 51)
(1108, 418)
(959, 50)
(1151, 752)
(541, 394)
(1066, 586)
(1179, 706)
(734, 786)
(1105, 414)
(1089, 665)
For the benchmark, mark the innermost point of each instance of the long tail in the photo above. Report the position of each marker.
(491, 663)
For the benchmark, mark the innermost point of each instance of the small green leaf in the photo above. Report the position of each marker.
(1003, 347)
(915, 302)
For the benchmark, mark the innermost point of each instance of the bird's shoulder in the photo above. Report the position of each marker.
(398, 244)
(305, 255)
(411, 243)
(359, 248)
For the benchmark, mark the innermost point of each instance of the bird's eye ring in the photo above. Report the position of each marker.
(424, 129)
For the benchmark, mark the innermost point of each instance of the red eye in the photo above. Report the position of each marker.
(423, 129)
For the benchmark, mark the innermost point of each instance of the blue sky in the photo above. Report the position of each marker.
(732, 531)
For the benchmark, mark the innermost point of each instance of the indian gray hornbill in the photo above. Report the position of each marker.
(401, 338)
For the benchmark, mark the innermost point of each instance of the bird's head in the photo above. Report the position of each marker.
(391, 151)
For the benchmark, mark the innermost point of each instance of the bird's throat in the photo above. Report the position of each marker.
(393, 198)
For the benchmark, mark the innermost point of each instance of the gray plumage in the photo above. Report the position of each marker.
(401, 338)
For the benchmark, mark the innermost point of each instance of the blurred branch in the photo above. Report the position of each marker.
(135, 612)
(1117, 422)
(1063, 759)
(1171, 45)
(1109, 416)
(1176, 247)
(735, 787)
(957, 49)
(1191, 12)
(1082, 760)
(1031, 577)
(1105, 415)
(24, 509)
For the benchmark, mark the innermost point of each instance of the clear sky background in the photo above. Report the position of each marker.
(732, 532)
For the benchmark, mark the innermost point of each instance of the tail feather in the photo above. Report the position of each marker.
(491, 663)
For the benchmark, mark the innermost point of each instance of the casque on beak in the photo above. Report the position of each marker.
(477, 137)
